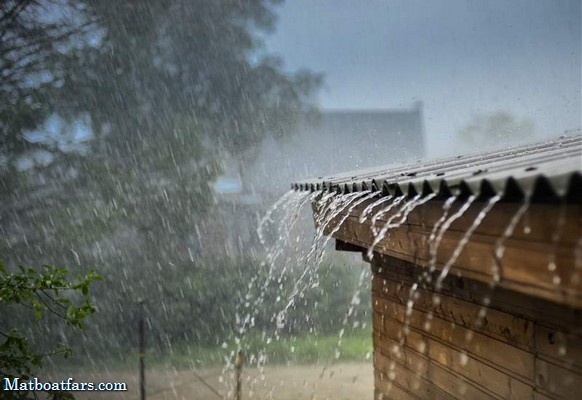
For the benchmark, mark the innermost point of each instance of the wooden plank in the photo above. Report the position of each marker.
(557, 380)
(378, 322)
(385, 390)
(533, 308)
(524, 264)
(557, 346)
(525, 273)
(523, 261)
(391, 349)
(413, 340)
(504, 356)
(541, 220)
(540, 396)
(487, 378)
(462, 389)
(408, 380)
(505, 327)
(445, 379)
(548, 325)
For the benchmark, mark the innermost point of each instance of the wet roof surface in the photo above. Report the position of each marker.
(543, 171)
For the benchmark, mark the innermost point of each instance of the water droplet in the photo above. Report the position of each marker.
(463, 359)
(552, 266)
(396, 349)
(462, 389)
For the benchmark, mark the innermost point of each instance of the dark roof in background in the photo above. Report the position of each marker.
(374, 127)
(545, 171)
(338, 140)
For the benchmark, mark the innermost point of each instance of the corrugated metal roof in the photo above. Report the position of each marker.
(545, 171)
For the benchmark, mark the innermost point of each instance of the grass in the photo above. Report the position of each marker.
(296, 350)
(303, 349)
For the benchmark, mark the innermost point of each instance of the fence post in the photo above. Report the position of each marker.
(238, 369)
(142, 350)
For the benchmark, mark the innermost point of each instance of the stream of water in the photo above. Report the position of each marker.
(331, 211)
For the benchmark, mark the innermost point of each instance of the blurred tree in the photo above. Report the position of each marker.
(168, 86)
(490, 130)
(34, 37)
(165, 88)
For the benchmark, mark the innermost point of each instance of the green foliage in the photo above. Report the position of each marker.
(197, 304)
(28, 290)
(168, 89)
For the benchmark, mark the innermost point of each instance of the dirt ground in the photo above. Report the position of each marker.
(312, 382)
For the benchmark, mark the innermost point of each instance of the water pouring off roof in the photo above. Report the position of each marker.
(468, 254)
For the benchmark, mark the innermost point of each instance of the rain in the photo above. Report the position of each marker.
(290, 199)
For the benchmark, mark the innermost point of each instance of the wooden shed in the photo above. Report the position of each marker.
(477, 270)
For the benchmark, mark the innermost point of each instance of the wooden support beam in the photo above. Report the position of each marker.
(541, 258)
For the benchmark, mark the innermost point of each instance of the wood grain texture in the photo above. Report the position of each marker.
(539, 258)
(518, 338)
(449, 350)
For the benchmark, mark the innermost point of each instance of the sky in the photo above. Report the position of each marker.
(460, 58)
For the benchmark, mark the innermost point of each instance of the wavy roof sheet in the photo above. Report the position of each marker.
(545, 171)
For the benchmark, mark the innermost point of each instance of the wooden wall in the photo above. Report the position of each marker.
(527, 255)
(524, 347)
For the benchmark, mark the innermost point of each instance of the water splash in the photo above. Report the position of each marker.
(337, 206)
(426, 276)
(465, 239)
(343, 219)
(431, 239)
(285, 227)
(382, 212)
(443, 229)
(496, 268)
(403, 213)
(556, 237)
(288, 208)
(290, 204)
(435, 238)
(331, 211)
(267, 217)
(354, 302)
(373, 205)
